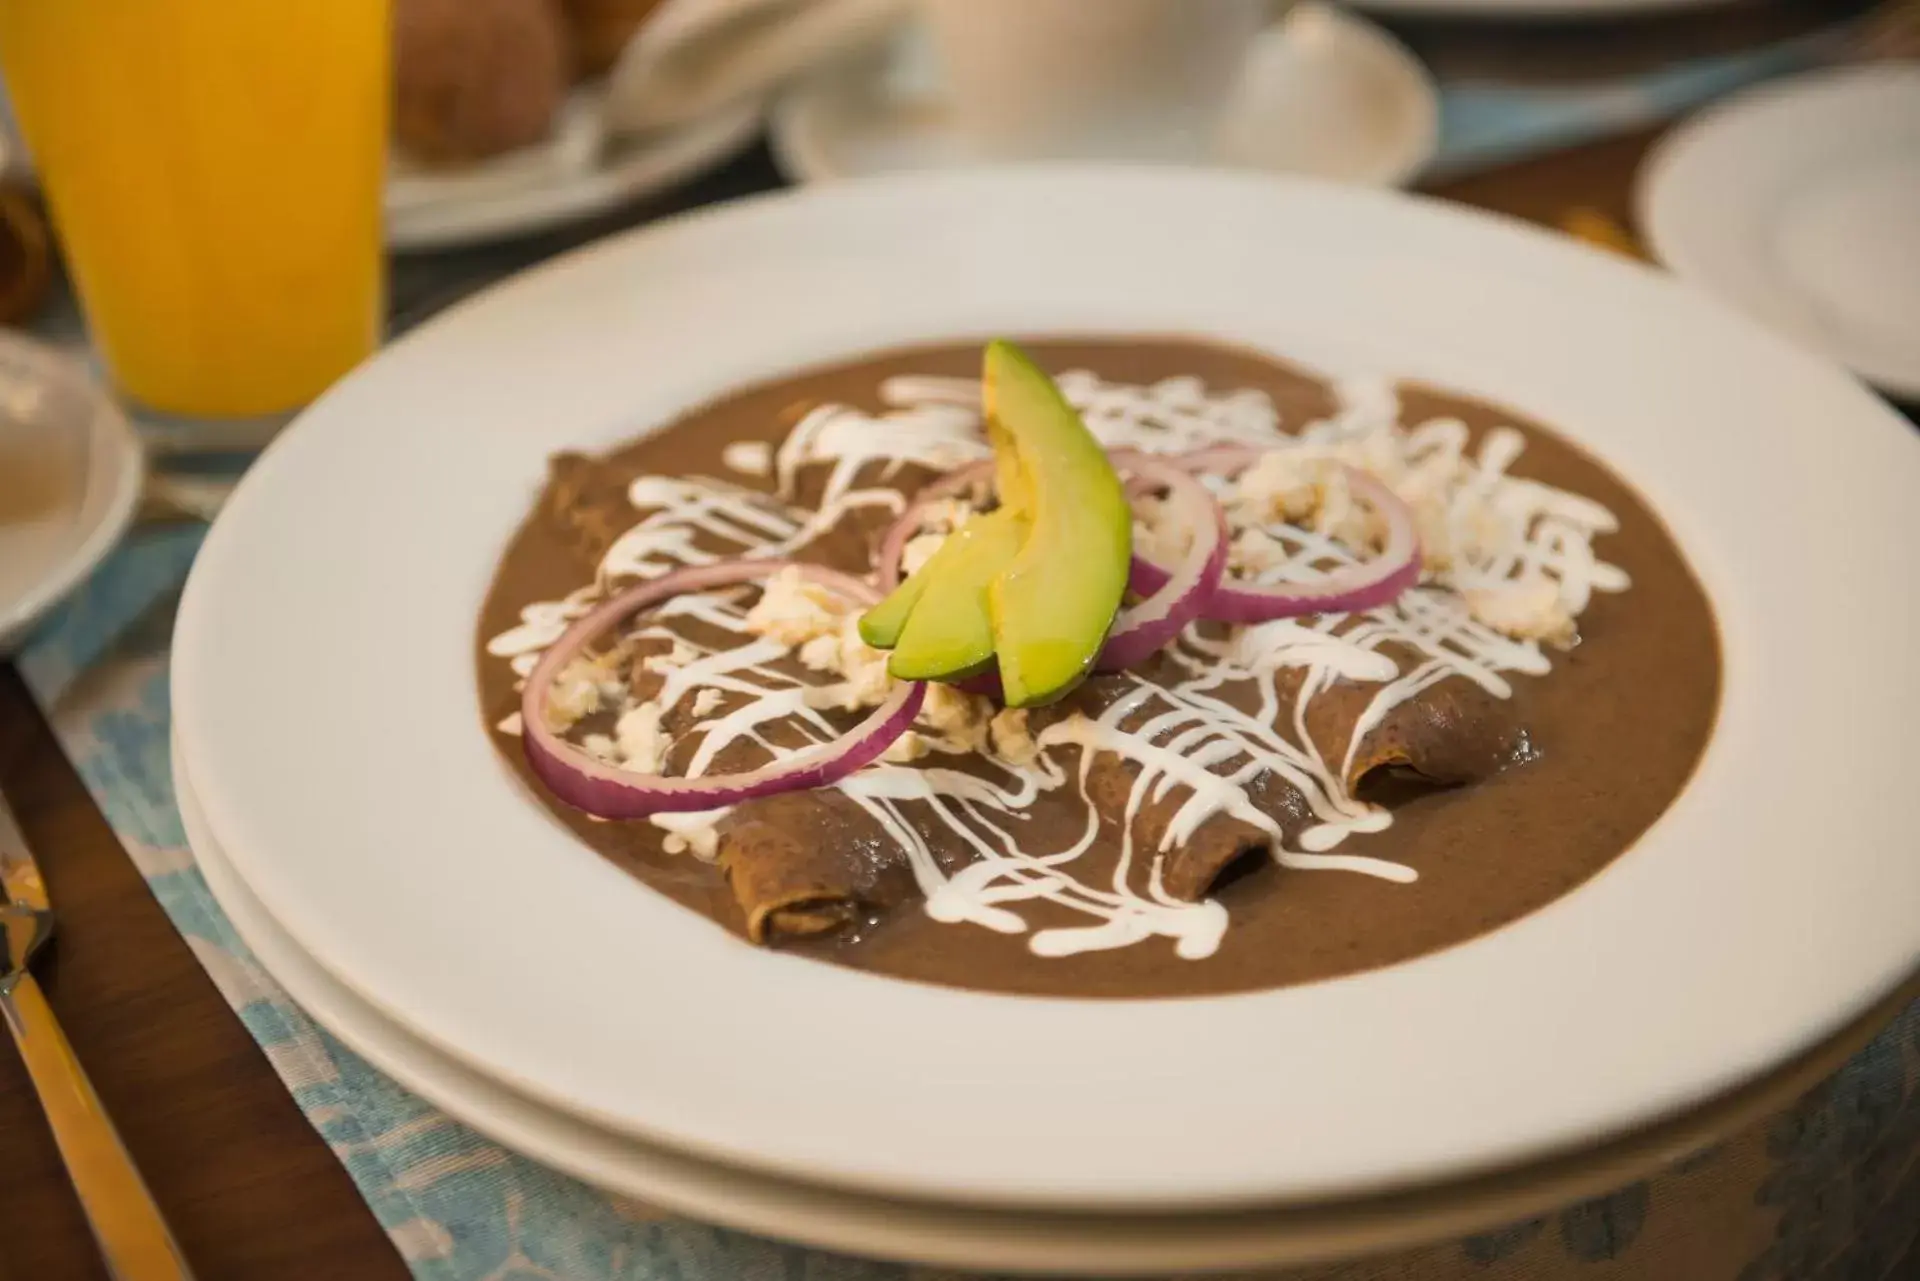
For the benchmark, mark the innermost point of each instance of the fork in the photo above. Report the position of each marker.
(133, 1238)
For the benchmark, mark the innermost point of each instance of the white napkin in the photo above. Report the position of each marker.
(695, 57)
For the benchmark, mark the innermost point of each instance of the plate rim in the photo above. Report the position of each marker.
(1785, 364)
(1682, 146)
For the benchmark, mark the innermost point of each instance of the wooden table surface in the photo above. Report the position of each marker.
(252, 1192)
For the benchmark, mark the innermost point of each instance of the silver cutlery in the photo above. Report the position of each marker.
(133, 1238)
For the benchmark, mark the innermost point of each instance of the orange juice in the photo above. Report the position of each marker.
(214, 169)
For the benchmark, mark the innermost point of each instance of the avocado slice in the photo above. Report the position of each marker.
(1052, 605)
(1037, 581)
(946, 633)
(881, 626)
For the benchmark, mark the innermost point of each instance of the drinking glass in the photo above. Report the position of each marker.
(214, 169)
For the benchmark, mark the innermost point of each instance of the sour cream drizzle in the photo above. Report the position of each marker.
(1497, 545)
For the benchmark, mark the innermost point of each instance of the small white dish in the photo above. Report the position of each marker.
(577, 176)
(385, 834)
(1326, 94)
(1799, 202)
(70, 475)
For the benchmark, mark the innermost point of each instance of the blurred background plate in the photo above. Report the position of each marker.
(70, 475)
(630, 169)
(1799, 202)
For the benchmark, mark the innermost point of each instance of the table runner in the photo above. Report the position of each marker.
(1830, 1188)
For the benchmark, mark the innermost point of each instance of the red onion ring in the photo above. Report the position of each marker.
(1371, 583)
(608, 791)
(1177, 598)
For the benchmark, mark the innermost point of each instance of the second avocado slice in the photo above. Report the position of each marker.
(1052, 606)
(947, 634)
(1034, 583)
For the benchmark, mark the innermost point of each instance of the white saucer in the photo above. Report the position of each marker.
(1326, 94)
(70, 473)
(1799, 202)
(961, 1236)
(555, 185)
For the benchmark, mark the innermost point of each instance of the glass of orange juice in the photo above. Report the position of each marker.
(214, 170)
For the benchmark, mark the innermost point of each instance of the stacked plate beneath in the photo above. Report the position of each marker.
(359, 827)
(973, 1236)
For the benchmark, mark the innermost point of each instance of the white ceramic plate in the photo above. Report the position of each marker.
(955, 1236)
(527, 194)
(1799, 202)
(70, 473)
(325, 706)
(1326, 94)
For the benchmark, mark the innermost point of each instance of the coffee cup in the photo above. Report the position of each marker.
(1101, 79)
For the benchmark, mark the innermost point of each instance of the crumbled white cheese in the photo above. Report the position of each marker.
(1160, 540)
(1307, 486)
(837, 696)
(793, 609)
(959, 718)
(1254, 551)
(707, 700)
(578, 691)
(906, 749)
(863, 667)
(821, 654)
(696, 832)
(600, 747)
(863, 671)
(1477, 534)
(749, 457)
(643, 744)
(1013, 739)
(1283, 485)
(1523, 608)
(679, 656)
(1346, 519)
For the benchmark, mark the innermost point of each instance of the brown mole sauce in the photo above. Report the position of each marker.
(1616, 728)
